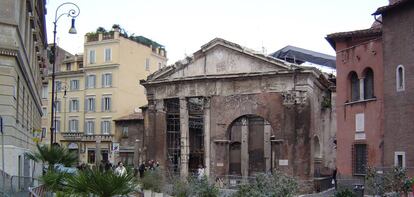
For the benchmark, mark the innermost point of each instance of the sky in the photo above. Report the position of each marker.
(183, 26)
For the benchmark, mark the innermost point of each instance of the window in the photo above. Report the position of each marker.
(91, 156)
(107, 80)
(73, 125)
(80, 64)
(90, 104)
(125, 131)
(44, 92)
(68, 66)
(74, 84)
(74, 105)
(360, 122)
(90, 127)
(400, 77)
(127, 158)
(92, 59)
(90, 81)
(44, 132)
(354, 86)
(58, 86)
(399, 159)
(106, 127)
(44, 111)
(360, 158)
(106, 104)
(57, 106)
(17, 99)
(147, 64)
(159, 65)
(108, 54)
(369, 84)
(57, 125)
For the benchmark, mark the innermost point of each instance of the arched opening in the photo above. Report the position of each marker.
(317, 153)
(368, 83)
(354, 82)
(249, 147)
(74, 149)
(400, 78)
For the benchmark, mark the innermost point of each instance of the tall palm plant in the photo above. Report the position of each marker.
(101, 183)
(53, 155)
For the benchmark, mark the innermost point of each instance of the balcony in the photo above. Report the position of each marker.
(95, 137)
(72, 136)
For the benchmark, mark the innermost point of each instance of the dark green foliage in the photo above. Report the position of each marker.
(53, 155)
(54, 181)
(345, 193)
(103, 184)
(269, 185)
(202, 188)
(181, 188)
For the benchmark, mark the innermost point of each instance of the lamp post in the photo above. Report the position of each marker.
(72, 12)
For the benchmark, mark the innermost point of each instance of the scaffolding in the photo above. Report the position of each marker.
(173, 134)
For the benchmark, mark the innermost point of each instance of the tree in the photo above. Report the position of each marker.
(53, 155)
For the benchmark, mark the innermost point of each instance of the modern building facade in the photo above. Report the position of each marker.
(98, 87)
(22, 56)
(359, 101)
(397, 20)
(238, 113)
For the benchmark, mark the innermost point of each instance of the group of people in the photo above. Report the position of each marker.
(106, 166)
(145, 166)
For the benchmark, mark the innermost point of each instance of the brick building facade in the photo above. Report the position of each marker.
(359, 101)
(398, 20)
(239, 113)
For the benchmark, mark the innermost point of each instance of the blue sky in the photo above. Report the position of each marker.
(184, 25)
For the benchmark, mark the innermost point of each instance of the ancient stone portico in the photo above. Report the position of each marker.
(239, 113)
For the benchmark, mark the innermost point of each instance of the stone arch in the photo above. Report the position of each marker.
(249, 145)
(354, 86)
(368, 75)
(317, 149)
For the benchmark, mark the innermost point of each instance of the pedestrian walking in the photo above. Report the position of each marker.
(141, 169)
(120, 170)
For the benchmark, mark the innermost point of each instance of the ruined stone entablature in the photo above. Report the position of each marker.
(294, 97)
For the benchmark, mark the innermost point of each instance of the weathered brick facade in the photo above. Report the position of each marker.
(256, 113)
(357, 52)
(398, 105)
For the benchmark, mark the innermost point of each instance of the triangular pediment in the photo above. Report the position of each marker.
(220, 57)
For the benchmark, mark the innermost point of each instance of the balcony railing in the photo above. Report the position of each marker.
(107, 36)
(92, 38)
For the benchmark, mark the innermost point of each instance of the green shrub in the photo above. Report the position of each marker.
(345, 193)
(152, 180)
(276, 185)
(181, 188)
(202, 188)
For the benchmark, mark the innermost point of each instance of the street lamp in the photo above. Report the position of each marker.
(72, 12)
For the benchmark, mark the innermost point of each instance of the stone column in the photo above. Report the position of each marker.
(207, 136)
(185, 149)
(98, 157)
(361, 88)
(245, 147)
(267, 147)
